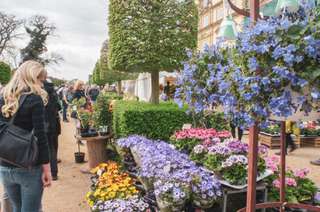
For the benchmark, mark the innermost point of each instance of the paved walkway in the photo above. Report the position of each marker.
(68, 193)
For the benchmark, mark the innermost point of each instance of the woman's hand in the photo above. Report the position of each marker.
(46, 175)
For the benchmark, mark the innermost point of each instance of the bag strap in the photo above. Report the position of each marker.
(21, 101)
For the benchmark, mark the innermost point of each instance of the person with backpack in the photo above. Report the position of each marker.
(23, 105)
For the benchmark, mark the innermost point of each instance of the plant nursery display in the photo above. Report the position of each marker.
(113, 190)
(299, 188)
(186, 140)
(311, 128)
(228, 160)
(160, 163)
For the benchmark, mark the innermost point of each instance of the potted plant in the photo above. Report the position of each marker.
(79, 156)
(172, 195)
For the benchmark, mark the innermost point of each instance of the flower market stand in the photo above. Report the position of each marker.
(310, 141)
(273, 141)
(96, 150)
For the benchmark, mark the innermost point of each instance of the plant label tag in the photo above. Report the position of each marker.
(99, 172)
(187, 126)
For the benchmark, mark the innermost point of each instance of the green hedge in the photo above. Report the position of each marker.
(153, 121)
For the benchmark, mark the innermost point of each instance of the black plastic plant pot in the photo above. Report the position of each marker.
(79, 157)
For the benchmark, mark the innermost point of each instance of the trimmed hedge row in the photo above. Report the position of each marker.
(152, 121)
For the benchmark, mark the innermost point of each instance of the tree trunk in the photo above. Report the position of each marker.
(155, 87)
(119, 87)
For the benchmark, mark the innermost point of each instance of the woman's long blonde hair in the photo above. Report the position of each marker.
(78, 85)
(24, 81)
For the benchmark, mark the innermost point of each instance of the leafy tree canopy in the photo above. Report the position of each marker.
(151, 35)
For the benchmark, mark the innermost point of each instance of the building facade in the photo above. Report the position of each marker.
(211, 14)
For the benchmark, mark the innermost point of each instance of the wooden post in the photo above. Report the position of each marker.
(96, 148)
(253, 138)
(283, 164)
(252, 169)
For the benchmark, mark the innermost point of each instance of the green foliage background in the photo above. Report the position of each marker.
(5, 73)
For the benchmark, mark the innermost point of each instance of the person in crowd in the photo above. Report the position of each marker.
(289, 141)
(78, 90)
(65, 101)
(166, 89)
(93, 93)
(233, 131)
(53, 126)
(25, 186)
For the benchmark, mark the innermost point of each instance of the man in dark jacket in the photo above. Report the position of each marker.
(53, 126)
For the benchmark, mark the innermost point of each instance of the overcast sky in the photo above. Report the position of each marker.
(81, 30)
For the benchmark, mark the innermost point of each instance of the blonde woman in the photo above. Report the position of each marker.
(25, 186)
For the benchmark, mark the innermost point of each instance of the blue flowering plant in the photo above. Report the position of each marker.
(171, 195)
(198, 83)
(205, 190)
(161, 162)
(132, 204)
(273, 70)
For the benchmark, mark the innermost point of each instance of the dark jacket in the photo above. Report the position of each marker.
(78, 94)
(30, 116)
(52, 110)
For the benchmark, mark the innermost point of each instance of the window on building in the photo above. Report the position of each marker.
(219, 13)
(205, 3)
(205, 21)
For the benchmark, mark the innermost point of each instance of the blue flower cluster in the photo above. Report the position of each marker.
(257, 78)
(160, 161)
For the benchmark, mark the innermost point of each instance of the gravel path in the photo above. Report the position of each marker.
(68, 193)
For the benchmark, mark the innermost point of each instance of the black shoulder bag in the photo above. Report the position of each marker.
(17, 146)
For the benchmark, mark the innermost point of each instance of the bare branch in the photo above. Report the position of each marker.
(9, 26)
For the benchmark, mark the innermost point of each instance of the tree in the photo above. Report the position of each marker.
(9, 26)
(39, 29)
(108, 75)
(96, 74)
(151, 36)
(5, 73)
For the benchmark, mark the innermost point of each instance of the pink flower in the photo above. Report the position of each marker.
(301, 173)
(291, 182)
(276, 183)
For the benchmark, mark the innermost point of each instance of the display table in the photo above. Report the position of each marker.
(227, 191)
(96, 150)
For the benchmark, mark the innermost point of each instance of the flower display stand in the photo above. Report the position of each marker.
(227, 192)
(310, 141)
(96, 150)
(273, 141)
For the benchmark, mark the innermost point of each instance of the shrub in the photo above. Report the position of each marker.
(5, 73)
(217, 121)
(101, 114)
(153, 121)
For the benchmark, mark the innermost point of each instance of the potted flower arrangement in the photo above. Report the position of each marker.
(186, 140)
(229, 161)
(299, 188)
(310, 133)
(113, 190)
(171, 195)
(160, 162)
(205, 190)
